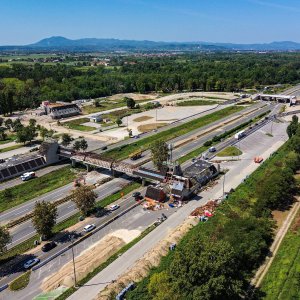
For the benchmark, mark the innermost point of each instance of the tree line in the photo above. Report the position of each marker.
(25, 86)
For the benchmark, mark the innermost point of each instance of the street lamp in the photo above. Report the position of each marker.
(224, 186)
(73, 258)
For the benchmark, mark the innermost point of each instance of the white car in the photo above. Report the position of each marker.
(27, 176)
(32, 262)
(89, 227)
(114, 207)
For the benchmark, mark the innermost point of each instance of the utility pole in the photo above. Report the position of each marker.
(224, 186)
(73, 258)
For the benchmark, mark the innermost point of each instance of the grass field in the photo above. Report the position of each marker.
(77, 125)
(10, 138)
(197, 102)
(282, 280)
(14, 147)
(230, 151)
(28, 190)
(105, 105)
(125, 150)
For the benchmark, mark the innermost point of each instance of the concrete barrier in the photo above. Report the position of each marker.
(3, 287)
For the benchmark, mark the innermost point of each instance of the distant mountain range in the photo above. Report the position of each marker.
(59, 43)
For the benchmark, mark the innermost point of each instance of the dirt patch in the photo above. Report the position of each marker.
(85, 263)
(136, 97)
(151, 126)
(142, 119)
(126, 235)
(279, 217)
(149, 260)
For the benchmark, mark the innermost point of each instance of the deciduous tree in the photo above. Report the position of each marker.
(84, 198)
(159, 152)
(44, 218)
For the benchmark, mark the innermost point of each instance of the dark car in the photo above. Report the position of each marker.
(48, 246)
(136, 194)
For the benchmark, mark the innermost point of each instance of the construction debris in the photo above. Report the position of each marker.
(205, 211)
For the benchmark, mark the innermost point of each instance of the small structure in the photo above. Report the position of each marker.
(274, 97)
(155, 194)
(96, 118)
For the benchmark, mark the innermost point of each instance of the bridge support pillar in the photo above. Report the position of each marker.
(144, 181)
(88, 167)
(73, 163)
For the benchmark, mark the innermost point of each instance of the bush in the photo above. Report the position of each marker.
(207, 143)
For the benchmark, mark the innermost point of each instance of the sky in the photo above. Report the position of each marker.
(238, 21)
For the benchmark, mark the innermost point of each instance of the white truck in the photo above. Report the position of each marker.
(240, 134)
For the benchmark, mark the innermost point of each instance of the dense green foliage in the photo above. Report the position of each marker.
(159, 152)
(23, 86)
(282, 280)
(44, 218)
(4, 239)
(216, 259)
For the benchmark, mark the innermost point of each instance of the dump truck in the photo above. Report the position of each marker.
(136, 155)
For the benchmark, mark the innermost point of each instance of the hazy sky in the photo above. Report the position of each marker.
(238, 21)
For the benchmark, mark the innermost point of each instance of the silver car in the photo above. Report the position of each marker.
(32, 262)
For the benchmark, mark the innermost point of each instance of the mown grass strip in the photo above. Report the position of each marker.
(36, 187)
(230, 151)
(20, 282)
(98, 269)
(125, 150)
(14, 147)
(10, 138)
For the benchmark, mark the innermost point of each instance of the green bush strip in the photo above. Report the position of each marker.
(28, 190)
(10, 138)
(124, 151)
(20, 282)
(98, 269)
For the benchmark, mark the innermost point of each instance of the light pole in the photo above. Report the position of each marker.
(73, 258)
(224, 186)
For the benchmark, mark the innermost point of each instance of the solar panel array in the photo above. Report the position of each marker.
(20, 167)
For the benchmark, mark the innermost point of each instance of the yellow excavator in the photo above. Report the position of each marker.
(136, 155)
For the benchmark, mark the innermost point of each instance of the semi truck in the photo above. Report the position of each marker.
(240, 134)
(136, 155)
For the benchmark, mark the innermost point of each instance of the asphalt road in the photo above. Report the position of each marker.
(25, 230)
(141, 219)
(14, 182)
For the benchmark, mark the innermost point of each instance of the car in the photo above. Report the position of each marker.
(114, 207)
(136, 136)
(212, 149)
(89, 227)
(48, 246)
(27, 176)
(104, 148)
(32, 262)
(136, 194)
(164, 216)
(194, 159)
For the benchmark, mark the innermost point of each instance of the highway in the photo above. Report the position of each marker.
(139, 219)
(25, 230)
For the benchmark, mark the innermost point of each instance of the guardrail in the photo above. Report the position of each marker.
(3, 287)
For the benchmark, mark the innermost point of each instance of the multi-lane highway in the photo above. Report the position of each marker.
(25, 230)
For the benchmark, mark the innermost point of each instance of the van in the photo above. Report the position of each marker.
(212, 149)
(27, 176)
